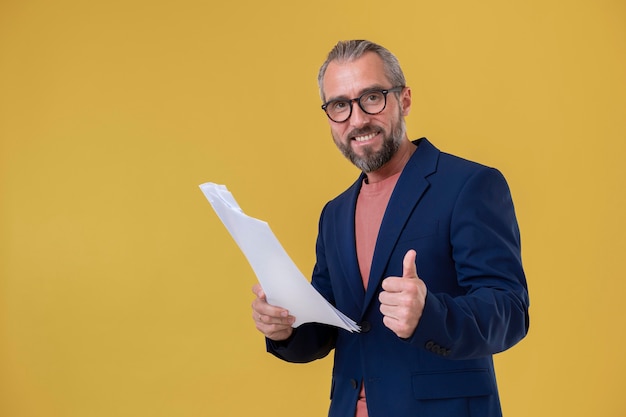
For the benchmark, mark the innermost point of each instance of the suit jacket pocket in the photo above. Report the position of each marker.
(453, 384)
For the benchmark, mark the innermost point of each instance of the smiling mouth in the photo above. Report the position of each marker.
(364, 138)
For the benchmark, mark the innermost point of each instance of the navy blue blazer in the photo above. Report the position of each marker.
(459, 217)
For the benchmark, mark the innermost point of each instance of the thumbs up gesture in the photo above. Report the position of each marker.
(402, 299)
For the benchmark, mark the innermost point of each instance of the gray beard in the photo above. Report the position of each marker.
(372, 161)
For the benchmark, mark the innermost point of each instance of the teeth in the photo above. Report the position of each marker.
(364, 138)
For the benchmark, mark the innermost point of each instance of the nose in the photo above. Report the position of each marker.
(358, 118)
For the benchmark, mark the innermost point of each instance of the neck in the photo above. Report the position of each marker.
(395, 164)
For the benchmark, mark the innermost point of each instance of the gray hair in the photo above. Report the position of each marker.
(346, 51)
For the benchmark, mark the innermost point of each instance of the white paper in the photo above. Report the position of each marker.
(282, 281)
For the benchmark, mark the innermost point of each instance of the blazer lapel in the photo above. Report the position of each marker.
(408, 191)
(345, 234)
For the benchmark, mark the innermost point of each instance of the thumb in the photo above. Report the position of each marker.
(409, 269)
(258, 291)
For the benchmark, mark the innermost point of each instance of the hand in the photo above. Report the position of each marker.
(274, 322)
(402, 299)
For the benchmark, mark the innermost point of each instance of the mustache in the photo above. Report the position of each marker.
(365, 130)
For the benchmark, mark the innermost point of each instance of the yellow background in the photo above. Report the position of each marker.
(121, 293)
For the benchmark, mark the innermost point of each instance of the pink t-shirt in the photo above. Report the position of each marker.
(370, 209)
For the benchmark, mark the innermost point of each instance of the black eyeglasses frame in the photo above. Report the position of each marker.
(384, 92)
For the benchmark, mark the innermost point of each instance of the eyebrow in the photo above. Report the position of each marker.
(360, 93)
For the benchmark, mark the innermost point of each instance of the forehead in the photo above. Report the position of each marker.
(350, 78)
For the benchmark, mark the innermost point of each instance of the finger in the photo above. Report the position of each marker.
(389, 297)
(409, 269)
(275, 332)
(268, 319)
(261, 307)
(388, 311)
(395, 285)
(258, 291)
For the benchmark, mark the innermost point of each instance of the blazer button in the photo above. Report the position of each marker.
(353, 383)
(433, 347)
(366, 327)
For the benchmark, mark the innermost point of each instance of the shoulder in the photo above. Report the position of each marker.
(437, 166)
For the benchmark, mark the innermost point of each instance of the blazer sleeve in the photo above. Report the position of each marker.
(492, 314)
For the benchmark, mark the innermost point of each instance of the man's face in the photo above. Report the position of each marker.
(369, 141)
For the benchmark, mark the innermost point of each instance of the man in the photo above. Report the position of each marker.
(423, 250)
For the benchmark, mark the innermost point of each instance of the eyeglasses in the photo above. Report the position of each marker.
(371, 102)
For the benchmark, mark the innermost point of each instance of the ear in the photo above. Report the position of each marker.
(405, 100)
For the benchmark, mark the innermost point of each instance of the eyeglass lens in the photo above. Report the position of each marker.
(372, 102)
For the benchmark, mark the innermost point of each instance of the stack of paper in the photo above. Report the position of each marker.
(282, 281)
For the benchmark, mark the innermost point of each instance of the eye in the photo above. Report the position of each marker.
(338, 106)
(372, 97)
